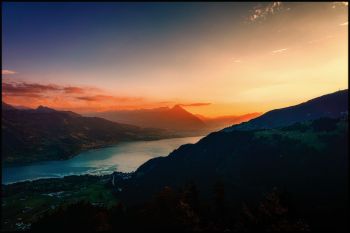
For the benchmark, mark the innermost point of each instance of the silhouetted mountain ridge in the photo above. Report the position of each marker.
(332, 105)
(175, 118)
(47, 134)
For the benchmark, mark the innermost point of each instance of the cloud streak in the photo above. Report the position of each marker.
(321, 39)
(11, 87)
(344, 24)
(7, 72)
(261, 13)
(26, 89)
(64, 97)
(70, 90)
(339, 4)
(279, 51)
(195, 104)
(102, 98)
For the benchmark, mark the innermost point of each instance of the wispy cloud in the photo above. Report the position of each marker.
(339, 4)
(237, 60)
(64, 97)
(26, 89)
(262, 12)
(279, 50)
(102, 98)
(195, 104)
(5, 72)
(321, 39)
(20, 88)
(343, 24)
(71, 90)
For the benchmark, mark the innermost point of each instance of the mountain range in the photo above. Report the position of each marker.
(44, 133)
(30, 135)
(175, 119)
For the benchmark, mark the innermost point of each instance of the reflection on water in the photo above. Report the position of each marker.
(125, 157)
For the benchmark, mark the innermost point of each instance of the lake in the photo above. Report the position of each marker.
(124, 157)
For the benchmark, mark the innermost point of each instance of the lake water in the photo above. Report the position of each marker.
(124, 157)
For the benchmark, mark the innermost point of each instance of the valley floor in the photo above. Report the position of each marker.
(23, 203)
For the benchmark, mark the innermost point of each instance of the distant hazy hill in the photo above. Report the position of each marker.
(47, 134)
(216, 123)
(175, 118)
(333, 105)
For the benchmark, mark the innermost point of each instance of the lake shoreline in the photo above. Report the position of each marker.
(18, 164)
(51, 178)
(123, 157)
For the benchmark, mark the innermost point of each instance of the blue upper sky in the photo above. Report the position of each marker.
(73, 32)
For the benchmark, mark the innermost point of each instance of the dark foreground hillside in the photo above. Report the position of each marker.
(308, 160)
(288, 179)
(180, 211)
(333, 105)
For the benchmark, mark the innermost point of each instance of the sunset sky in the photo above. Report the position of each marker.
(214, 58)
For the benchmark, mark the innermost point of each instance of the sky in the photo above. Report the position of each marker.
(213, 58)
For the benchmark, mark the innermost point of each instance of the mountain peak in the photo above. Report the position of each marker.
(44, 109)
(171, 118)
(178, 107)
(178, 110)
